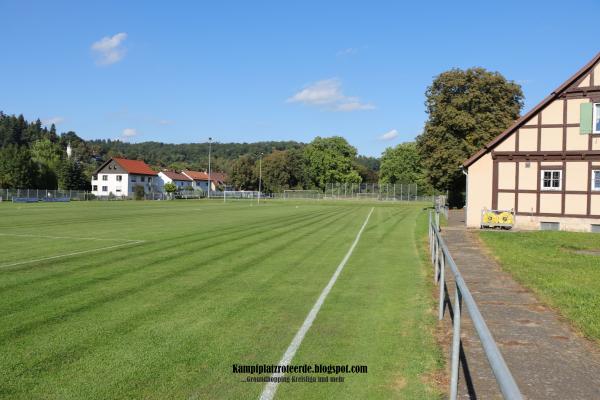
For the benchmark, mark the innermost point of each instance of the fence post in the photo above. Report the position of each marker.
(442, 287)
(455, 345)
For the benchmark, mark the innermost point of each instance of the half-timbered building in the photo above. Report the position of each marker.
(546, 166)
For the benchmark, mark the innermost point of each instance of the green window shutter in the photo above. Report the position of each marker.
(585, 118)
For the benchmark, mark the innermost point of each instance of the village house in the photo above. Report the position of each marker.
(181, 181)
(546, 166)
(119, 176)
(200, 180)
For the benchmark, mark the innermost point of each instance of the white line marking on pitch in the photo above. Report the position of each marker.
(70, 254)
(66, 237)
(271, 387)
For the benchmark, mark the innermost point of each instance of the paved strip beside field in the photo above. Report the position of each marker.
(547, 358)
(271, 387)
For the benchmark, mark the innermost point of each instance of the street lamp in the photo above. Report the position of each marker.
(209, 181)
(259, 175)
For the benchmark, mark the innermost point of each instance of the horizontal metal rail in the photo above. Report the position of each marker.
(440, 257)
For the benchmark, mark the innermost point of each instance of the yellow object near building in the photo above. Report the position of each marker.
(497, 218)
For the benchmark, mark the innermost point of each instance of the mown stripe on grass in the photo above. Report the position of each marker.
(271, 387)
(64, 314)
(195, 292)
(108, 272)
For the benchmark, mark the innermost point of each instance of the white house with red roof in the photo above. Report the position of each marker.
(200, 180)
(180, 180)
(119, 176)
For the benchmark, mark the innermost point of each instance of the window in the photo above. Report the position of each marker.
(596, 179)
(596, 118)
(549, 226)
(118, 189)
(105, 188)
(551, 179)
(95, 177)
(119, 178)
(142, 179)
(104, 177)
(95, 188)
(133, 179)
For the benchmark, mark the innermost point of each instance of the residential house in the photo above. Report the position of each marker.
(546, 165)
(180, 180)
(200, 180)
(119, 176)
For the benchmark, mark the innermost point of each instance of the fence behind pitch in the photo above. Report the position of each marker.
(43, 195)
(375, 191)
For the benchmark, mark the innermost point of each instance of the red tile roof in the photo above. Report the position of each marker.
(220, 177)
(176, 176)
(135, 166)
(196, 175)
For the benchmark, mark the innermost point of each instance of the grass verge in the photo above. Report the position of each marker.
(556, 267)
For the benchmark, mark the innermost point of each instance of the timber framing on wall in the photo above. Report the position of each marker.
(581, 85)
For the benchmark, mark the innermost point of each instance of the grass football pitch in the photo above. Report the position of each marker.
(159, 300)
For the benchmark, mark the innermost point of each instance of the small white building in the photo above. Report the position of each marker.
(119, 176)
(180, 180)
(200, 180)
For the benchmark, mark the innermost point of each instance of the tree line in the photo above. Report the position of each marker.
(465, 108)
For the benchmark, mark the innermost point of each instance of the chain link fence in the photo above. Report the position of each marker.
(363, 191)
(376, 191)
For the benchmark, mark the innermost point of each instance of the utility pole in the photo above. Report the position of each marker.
(259, 175)
(209, 181)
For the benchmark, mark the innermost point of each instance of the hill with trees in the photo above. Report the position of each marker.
(466, 109)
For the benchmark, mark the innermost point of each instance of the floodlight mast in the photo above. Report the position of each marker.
(209, 181)
(259, 175)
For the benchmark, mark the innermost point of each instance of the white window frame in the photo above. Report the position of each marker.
(105, 178)
(594, 115)
(551, 189)
(119, 178)
(105, 188)
(593, 188)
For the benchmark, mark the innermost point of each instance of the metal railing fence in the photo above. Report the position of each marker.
(440, 257)
(44, 194)
(378, 191)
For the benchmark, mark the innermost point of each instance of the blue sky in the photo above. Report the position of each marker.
(249, 71)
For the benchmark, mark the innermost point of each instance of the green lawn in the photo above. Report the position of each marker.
(158, 299)
(548, 263)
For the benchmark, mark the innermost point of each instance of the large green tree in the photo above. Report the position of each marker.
(17, 169)
(48, 157)
(72, 177)
(330, 160)
(243, 173)
(282, 170)
(466, 109)
(401, 164)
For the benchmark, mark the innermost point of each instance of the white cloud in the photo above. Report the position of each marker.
(354, 106)
(322, 92)
(129, 133)
(165, 122)
(109, 49)
(52, 120)
(393, 134)
(328, 94)
(347, 52)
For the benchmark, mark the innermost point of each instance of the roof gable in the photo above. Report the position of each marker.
(580, 79)
(136, 167)
(175, 176)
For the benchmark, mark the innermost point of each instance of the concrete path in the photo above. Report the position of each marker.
(547, 358)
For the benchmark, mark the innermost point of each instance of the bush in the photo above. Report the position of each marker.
(138, 192)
